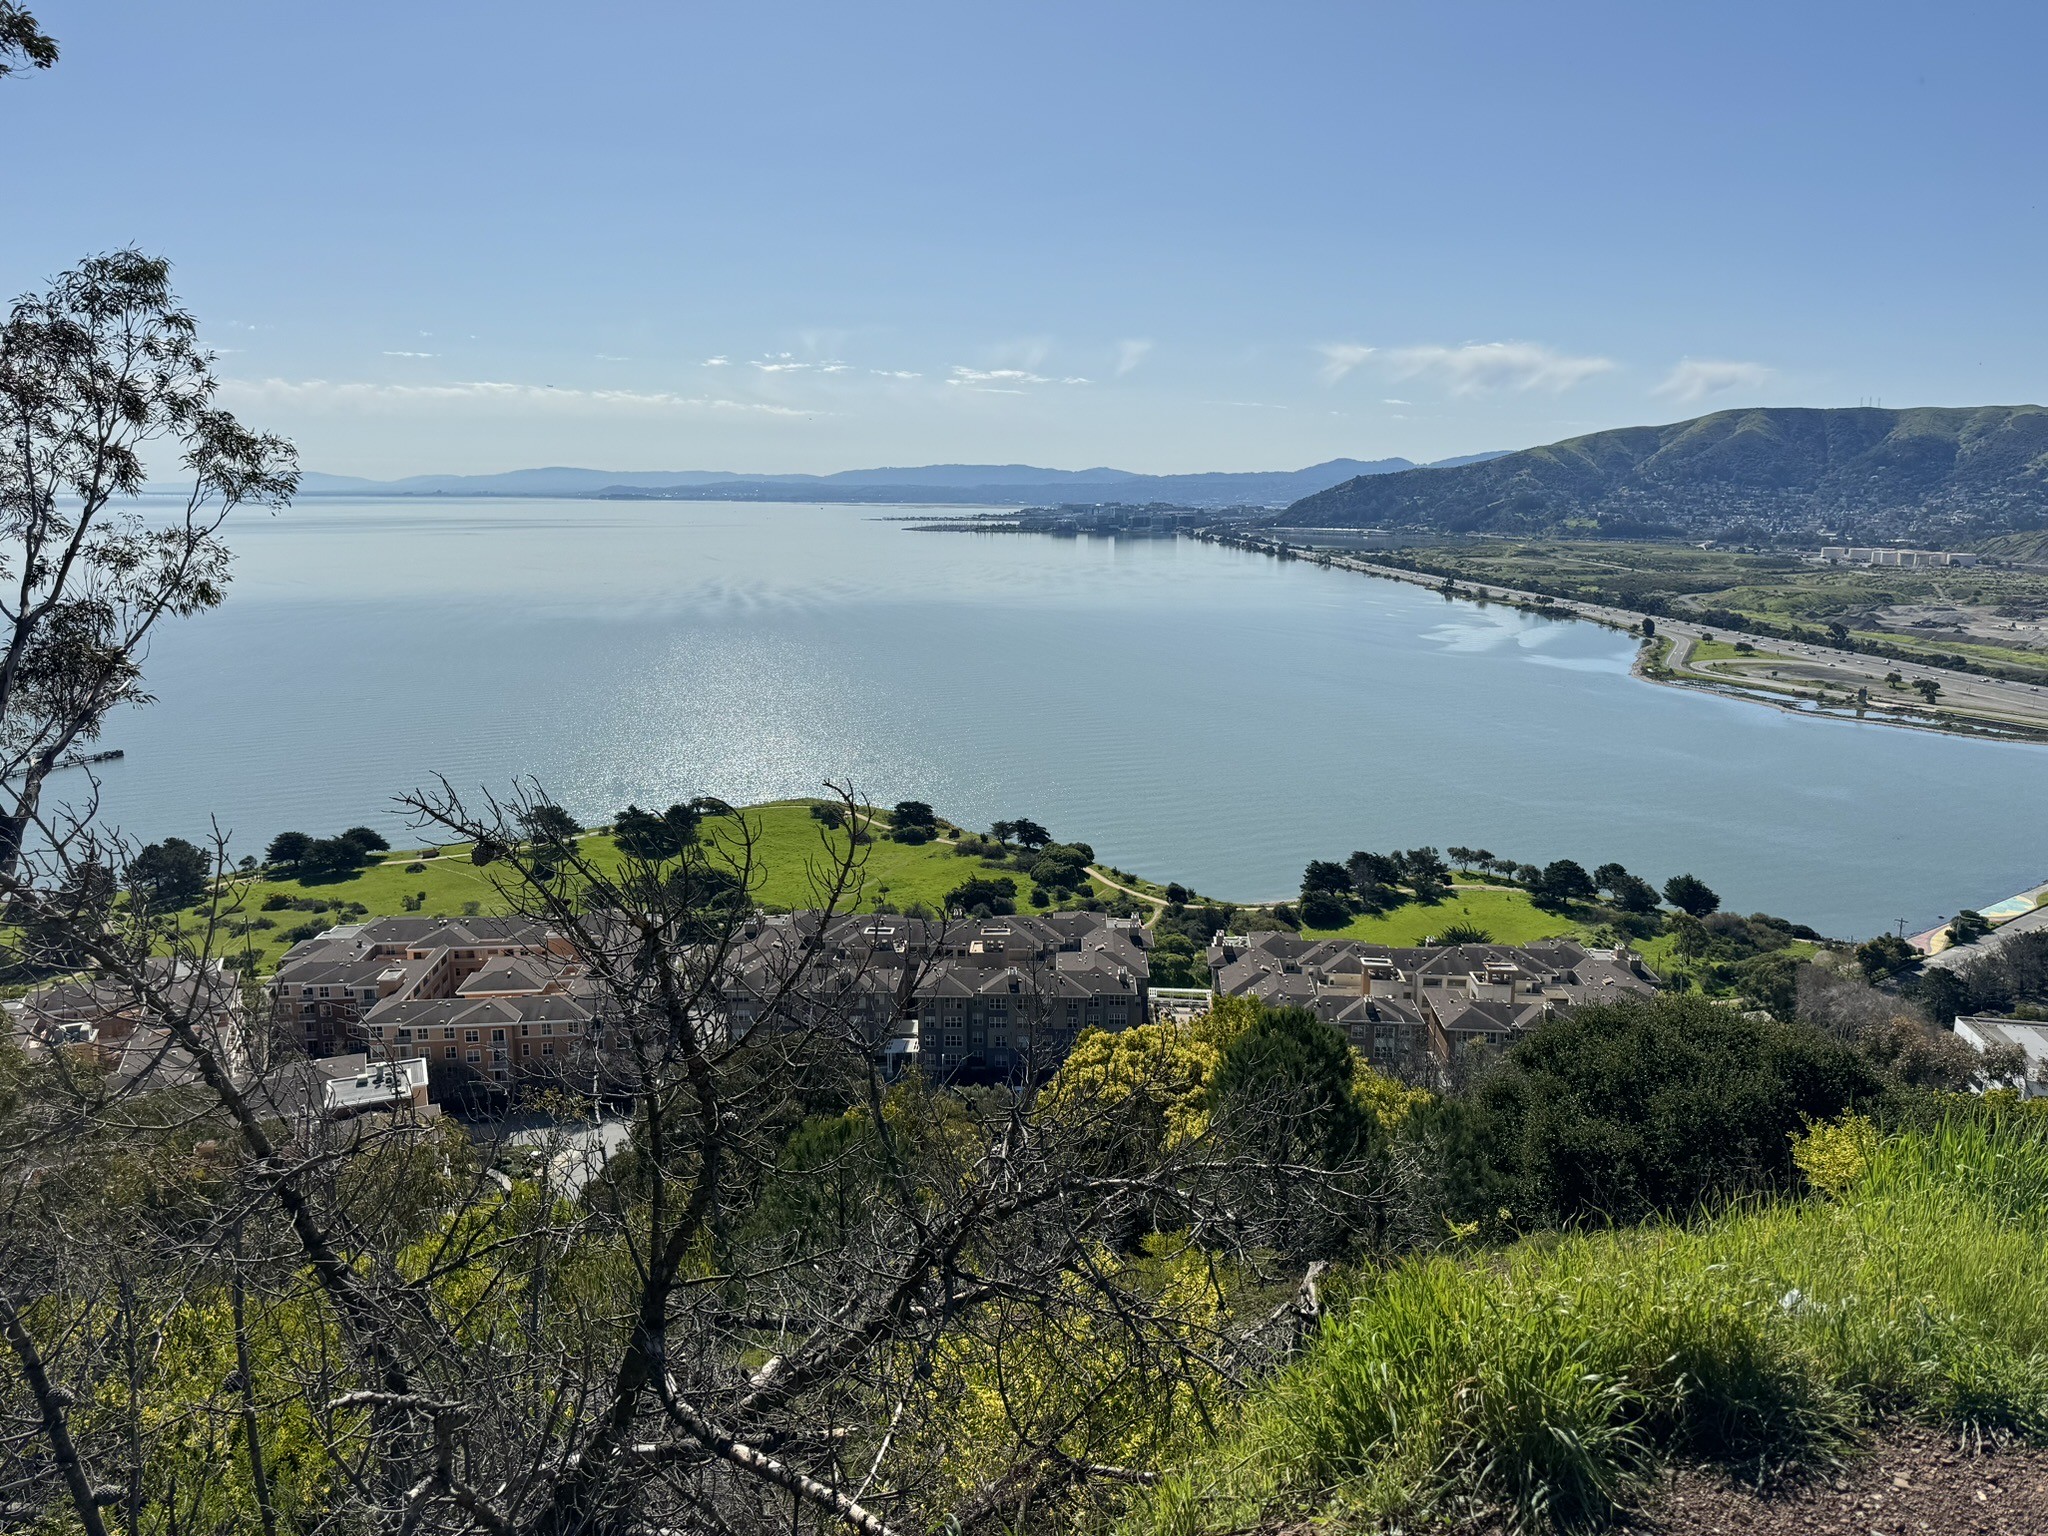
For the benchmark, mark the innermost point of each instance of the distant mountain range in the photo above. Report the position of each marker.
(999, 484)
(1921, 474)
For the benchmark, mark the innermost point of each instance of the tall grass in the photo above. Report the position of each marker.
(1542, 1385)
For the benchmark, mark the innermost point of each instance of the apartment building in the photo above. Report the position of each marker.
(969, 998)
(1910, 559)
(326, 986)
(123, 1032)
(518, 1016)
(1410, 1011)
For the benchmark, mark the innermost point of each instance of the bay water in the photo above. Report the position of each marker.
(1197, 714)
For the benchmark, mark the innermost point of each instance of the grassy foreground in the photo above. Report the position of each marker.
(1544, 1385)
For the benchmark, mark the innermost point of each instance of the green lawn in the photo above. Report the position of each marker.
(1723, 650)
(788, 850)
(788, 855)
(1510, 917)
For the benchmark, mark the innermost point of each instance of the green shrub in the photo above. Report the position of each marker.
(1653, 1106)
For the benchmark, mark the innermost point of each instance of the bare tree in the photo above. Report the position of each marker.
(803, 1297)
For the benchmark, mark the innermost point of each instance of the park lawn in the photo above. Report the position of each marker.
(1509, 917)
(451, 883)
(787, 852)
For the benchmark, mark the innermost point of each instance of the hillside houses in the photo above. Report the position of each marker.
(970, 997)
(503, 999)
(123, 1032)
(1412, 1010)
(412, 980)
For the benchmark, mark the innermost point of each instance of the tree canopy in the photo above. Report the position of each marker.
(172, 873)
(653, 837)
(1691, 895)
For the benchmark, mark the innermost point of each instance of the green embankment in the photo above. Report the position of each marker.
(1724, 650)
(1544, 1385)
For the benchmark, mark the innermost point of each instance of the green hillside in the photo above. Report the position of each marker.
(1543, 1387)
(786, 849)
(1930, 474)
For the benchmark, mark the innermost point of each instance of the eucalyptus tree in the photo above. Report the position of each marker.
(102, 380)
(23, 44)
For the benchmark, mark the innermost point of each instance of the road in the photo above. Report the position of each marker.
(2035, 921)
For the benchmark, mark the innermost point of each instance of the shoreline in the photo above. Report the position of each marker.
(1689, 633)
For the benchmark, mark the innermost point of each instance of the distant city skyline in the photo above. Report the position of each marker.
(470, 239)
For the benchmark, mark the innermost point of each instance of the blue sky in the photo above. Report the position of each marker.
(470, 237)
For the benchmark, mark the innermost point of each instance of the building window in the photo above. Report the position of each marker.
(471, 1036)
(473, 1056)
(547, 1047)
(448, 1033)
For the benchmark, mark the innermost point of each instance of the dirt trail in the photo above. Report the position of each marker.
(1913, 1480)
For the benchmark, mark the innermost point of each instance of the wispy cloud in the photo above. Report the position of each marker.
(412, 354)
(1695, 378)
(789, 362)
(1390, 400)
(717, 362)
(1479, 366)
(1001, 380)
(894, 373)
(612, 357)
(486, 393)
(1129, 354)
(1340, 357)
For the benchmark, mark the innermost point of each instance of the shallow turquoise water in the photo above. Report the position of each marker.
(1196, 713)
